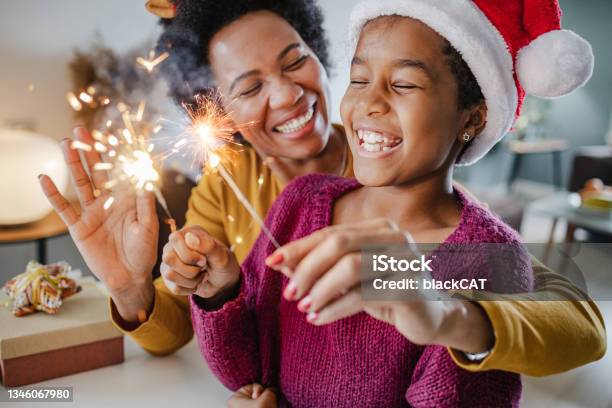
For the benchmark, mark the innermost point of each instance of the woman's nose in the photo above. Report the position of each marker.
(284, 93)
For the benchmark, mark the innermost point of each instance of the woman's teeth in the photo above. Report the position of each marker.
(376, 142)
(296, 124)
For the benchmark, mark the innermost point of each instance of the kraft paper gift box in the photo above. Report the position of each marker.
(78, 338)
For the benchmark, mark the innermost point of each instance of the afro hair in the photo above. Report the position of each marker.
(187, 36)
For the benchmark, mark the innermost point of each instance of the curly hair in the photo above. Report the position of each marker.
(187, 37)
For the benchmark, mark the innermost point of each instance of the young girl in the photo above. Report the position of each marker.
(413, 110)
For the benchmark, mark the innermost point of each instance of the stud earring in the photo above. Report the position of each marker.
(466, 137)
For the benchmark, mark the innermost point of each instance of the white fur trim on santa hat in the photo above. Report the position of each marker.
(555, 64)
(481, 45)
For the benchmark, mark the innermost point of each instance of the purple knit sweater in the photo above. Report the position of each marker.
(358, 361)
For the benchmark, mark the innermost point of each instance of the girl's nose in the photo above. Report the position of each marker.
(284, 93)
(373, 102)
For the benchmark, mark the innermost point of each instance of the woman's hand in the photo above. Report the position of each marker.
(194, 262)
(119, 243)
(253, 396)
(324, 272)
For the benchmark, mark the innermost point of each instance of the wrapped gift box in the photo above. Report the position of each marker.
(40, 347)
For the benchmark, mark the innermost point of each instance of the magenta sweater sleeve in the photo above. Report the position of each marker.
(227, 339)
(438, 382)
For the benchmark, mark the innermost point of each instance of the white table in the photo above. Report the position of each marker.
(179, 380)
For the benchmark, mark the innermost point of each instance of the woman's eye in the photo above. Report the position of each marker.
(297, 64)
(356, 82)
(251, 91)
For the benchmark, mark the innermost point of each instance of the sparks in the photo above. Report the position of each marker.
(74, 101)
(78, 145)
(85, 97)
(151, 63)
(109, 201)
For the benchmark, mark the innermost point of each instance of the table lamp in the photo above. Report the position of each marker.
(23, 156)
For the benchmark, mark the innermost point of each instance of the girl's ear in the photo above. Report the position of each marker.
(475, 123)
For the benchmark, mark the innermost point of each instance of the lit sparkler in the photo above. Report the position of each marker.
(210, 131)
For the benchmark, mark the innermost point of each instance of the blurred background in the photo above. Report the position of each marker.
(540, 179)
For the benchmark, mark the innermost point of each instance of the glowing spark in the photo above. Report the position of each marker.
(85, 97)
(109, 201)
(157, 128)
(96, 134)
(127, 136)
(230, 218)
(140, 111)
(113, 141)
(109, 123)
(103, 166)
(78, 145)
(180, 143)
(91, 90)
(105, 101)
(150, 148)
(100, 147)
(112, 153)
(260, 180)
(151, 63)
(122, 107)
(110, 184)
(239, 240)
(74, 101)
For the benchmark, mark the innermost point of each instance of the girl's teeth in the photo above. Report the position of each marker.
(375, 142)
(296, 124)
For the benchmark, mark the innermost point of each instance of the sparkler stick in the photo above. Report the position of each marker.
(215, 162)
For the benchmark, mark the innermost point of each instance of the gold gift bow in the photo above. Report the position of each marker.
(161, 8)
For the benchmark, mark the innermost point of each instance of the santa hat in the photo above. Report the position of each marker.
(513, 47)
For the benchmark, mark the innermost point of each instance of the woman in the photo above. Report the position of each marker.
(285, 81)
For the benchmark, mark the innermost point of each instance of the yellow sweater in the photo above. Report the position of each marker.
(529, 338)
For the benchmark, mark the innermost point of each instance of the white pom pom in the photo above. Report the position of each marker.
(555, 64)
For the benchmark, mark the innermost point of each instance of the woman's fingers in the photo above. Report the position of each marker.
(345, 306)
(80, 179)
(145, 209)
(92, 157)
(61, 206)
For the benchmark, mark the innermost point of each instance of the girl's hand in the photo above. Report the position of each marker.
(119, 243)
(253, 396)
(193, 262)
(325, 276)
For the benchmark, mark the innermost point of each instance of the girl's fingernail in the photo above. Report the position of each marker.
(312, 317)
(274, 259)
(304, 304)
(290, 290)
